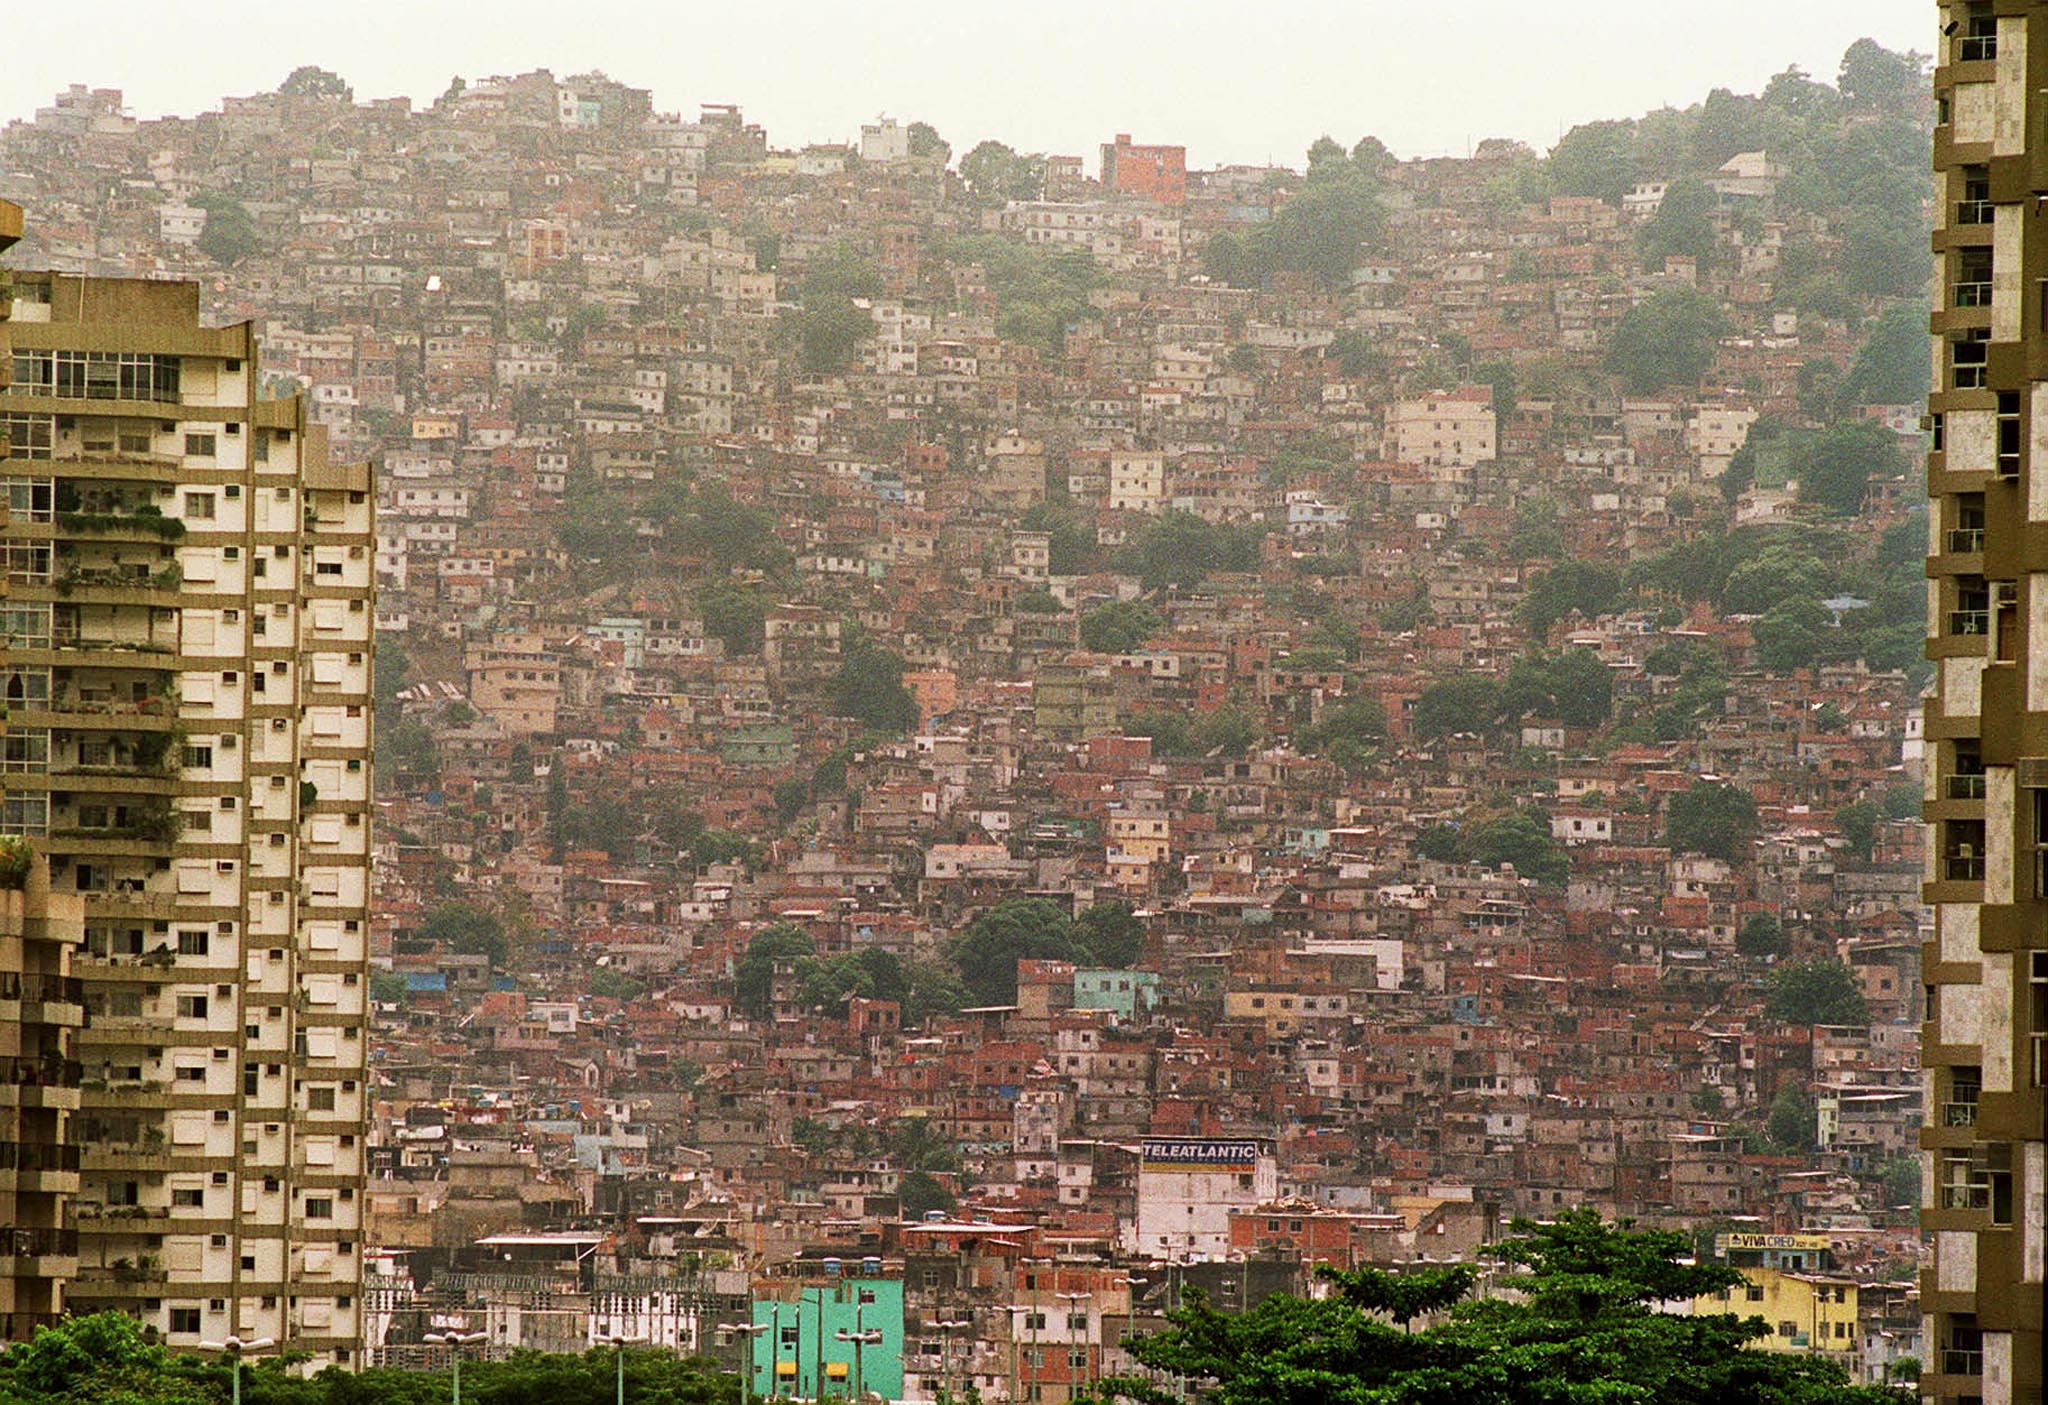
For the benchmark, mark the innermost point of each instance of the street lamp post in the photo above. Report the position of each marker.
(234, 1347)
(746, 1331)
(872, 1336)
(620, 1343)
(1070, 1299)
(947, 1328)
(455, 1342)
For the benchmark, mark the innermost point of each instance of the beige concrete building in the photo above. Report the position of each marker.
(185, 648)
(1985, 1048)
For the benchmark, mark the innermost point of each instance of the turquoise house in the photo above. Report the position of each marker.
(802, 1355)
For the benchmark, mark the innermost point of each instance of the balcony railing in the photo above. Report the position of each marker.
(1973, 211)
(1959, 1114)
(1966, 539)
(35, 1243)
(37, 1157)
(19, 1072)
(1966, 1195)
(1973, 294)
(34, 985)
(1963, 868)
(1956, 1361)
(1976, 48)
(1966, 787)
(1969, 622)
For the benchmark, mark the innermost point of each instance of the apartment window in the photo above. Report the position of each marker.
(191, 1007)
(1975, 205)
(319, 1207)
(198, 757)
(1963, 851)
(199, 507)
(31, 499)
(1978, 42)
(1968, 359)
(30, 436)
(188, 1198)
(1972, 283)
(192, 943)
(201, 446)
(1979, 1178)
(184, 1319)
(320, 1099)
(25, 751)
(2008, 433)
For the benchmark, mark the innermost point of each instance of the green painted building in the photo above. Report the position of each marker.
(810, 1351)
(1127, 994)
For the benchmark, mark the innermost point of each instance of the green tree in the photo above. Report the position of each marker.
(1572, 686)
(229, 234)
(1354, 354)
(1596, 159)
(310, 81)
(1569, 588)
(466, 930)
(1858, 822)
(1667, 340)
(735, 616)
(1521, 838)
(1120, 627)
(1761, 934)
(1180, 549)
(995, 173)
(1683, 225)
(1712, 819)
(1840, 461)
(1791, 1124)
(1456, 705)
(1873, 77)
(1583, 1327)
(920, 1193)
(869, 688)
(927, 145)
(1016, 929)
(1792, 634)
(754, 974)
(829, 335)
(1821, 991)
(1892, 367)
(1111, 933)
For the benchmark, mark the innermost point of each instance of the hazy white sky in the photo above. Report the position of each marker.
(1233, 80)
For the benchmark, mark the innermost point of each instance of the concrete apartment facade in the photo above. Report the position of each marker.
(1986, 970)
(185, 651)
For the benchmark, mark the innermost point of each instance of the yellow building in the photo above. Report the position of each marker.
(1814, 1312)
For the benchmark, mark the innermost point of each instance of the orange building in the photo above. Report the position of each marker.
(1157, 173)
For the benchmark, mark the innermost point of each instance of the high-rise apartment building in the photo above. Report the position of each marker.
(185, 653)
(40, 1011)
(1985, 1047)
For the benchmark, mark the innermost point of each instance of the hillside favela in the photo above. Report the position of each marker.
(648, 760)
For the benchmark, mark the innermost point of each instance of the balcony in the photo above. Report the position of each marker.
(1959, 1114)
(37, 1159)
(1966, 787)
(1964, 540)
(36, 998)
(1974, 212)
(1963, 868)
(1973, 295)
(1958, 1361)
(20, 1072)
(38, 1243)
(1977, 48)
(1969, 622)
